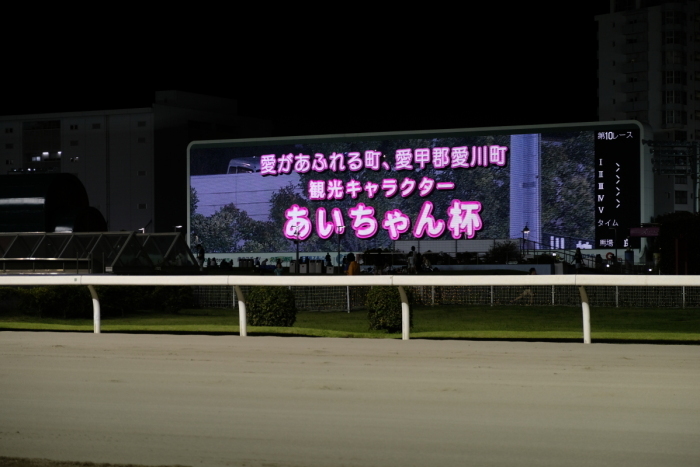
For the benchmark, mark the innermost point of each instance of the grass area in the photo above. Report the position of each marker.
(441, 322)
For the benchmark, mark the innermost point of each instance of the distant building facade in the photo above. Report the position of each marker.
(649, 70)
(131, 161)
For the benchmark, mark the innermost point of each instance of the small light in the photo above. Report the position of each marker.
(45, 153)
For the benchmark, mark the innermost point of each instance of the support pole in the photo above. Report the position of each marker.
(552, 295)
(95, 308)
(242, 322)
(586, 315)
(405, 317)
(683, 295)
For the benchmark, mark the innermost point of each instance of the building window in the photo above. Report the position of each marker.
(676, 97)
(142, 140)
(680, 135)
(74, 143)
(681, 197)
(681, 180)
(674, 57)
(96, 126)
(680, 161)
(672, 17)
(141, 123)
(74, 127)
(675, 117)
(673, 37)
(143, 206)
(675, 77)
(9, 145)
(8, 130)
(141, 173)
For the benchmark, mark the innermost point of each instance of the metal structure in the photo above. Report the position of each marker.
(99, 252)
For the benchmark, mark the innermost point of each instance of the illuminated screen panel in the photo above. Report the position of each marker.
(570, 187)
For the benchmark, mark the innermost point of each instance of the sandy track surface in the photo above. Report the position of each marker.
(290, 401)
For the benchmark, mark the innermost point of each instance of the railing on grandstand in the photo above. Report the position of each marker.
(536, 253)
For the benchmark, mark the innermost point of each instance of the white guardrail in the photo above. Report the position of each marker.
(580, 281)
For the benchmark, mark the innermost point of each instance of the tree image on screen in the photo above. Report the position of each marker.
(368, 194)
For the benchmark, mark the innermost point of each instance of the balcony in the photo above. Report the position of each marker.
(635, 87)
(633, 106)
(635, 48)
(673, 106)
(679, 126)
(634, 28)
(635, 67)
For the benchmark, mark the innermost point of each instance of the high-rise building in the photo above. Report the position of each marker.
(132, 162)
(649, 70)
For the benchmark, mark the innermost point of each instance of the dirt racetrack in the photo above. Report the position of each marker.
(290, 401)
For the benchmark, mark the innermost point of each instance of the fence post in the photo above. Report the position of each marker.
(552, 295)
(683, 297)
(95, 308)
(405, 318)
(242, 320)
(586, 315)
(347, 293)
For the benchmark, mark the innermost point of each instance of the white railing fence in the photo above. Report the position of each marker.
(474, 286)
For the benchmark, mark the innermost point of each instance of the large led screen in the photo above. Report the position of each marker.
(574, 187)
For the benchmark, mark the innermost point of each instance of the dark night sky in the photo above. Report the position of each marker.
(526, 65)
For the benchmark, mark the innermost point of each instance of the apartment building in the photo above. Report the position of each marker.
(131, 161)
(649, 70)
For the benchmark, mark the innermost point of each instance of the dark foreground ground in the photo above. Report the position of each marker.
(24, 462)
(291, 401)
